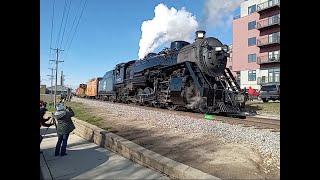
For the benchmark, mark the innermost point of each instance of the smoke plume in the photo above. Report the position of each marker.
(166, 26)
(219, 13)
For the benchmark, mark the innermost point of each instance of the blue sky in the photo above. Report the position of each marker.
(108, 33)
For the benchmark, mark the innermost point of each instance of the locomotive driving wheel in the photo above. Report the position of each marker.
(203, 108)
(172, 107)
(195, 101)
(139, 92)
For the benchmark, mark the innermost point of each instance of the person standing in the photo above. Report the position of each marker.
(64, 126)
(63, 97)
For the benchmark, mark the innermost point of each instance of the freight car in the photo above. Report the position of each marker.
(92, 88)
(184, 76)
(80, 91)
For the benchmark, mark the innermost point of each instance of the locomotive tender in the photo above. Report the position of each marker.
(184, 76)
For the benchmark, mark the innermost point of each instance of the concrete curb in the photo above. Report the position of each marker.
(137, 153)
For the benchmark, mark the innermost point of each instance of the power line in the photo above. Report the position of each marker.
(51, 29)
(71, 28)
(64, 10)
(76, 27)
(65, 23)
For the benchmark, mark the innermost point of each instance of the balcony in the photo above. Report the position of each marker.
(265, 79)
(268, 41)
(262, 80)
(268, 5)
(268, 59)
(268, 22)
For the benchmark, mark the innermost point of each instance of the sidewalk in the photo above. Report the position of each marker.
(86, 160)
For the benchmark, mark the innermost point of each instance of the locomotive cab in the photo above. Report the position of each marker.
(119, 73)
(177, 45)
(122, 71)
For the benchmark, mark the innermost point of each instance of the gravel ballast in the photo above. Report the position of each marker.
(268, 142)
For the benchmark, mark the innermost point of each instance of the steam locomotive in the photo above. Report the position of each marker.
(185, 76)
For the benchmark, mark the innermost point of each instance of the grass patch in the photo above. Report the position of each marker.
(261, 107)
(51, 109)
(81, 112)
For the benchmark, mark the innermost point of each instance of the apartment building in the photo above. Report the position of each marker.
(256, 43)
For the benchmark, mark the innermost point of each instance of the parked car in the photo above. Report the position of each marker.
(270, 92)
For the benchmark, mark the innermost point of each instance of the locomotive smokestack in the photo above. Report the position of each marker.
(200, 35)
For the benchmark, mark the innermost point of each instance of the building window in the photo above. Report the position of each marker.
(274, 55)
(251, 9)
(238, 74)
(273, 2)
(252, 75)
(238, 77)
(274, 19)
(251, 25)
(274, 75)
(274, 37)
(230, 67)
(252, 58)
(252, 41)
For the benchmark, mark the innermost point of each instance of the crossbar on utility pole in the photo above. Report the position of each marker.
(56, 61)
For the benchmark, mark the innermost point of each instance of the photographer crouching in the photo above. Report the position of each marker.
(64, 126)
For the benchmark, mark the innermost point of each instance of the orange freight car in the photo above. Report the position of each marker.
(80, 91)
(92, 88)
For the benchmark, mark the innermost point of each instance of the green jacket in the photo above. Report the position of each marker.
(64, 122)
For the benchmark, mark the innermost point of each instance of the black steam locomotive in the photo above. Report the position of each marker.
(184, 76)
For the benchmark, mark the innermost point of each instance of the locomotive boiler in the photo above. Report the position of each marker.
(184, 76)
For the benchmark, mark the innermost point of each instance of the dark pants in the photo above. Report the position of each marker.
(61, 146)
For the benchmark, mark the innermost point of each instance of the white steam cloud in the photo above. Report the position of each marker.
(220, 12)
(166, 26)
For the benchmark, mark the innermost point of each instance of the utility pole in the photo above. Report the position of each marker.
(51, 78)
(56, 61)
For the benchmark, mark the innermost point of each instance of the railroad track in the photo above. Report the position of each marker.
(260, 123)
(250, 121)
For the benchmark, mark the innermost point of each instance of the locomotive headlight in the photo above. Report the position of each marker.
(218, 48)
(200, 35)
